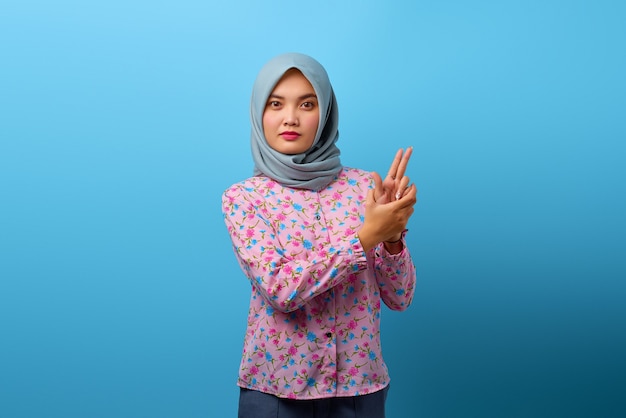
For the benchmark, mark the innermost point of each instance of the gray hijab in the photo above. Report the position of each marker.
(317, 167)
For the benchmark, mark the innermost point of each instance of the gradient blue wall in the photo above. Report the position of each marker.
(121, 123)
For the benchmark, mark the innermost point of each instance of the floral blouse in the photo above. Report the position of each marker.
(314, 318)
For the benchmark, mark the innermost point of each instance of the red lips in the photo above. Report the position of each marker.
(290, 135)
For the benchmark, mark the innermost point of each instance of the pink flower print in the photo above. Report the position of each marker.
(314, 357)
(337, 196)
(362, 354)
(293, 350)
(353, 371)
(352, 324)
(292, 395)
(250, 233)
(254, 370)
(272, 331)
(349, 232)
(281, 217)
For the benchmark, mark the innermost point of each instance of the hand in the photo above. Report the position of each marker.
(395, 184)
(389, 205)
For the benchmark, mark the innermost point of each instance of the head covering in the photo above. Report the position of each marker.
(317, 167)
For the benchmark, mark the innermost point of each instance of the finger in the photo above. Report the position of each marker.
(409, 198)
(404, 162)
(378, 185)
(370, 199)
(394, 164)
(403, 184)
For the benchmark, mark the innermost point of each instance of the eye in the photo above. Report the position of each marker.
(274, 104)
(308, 105)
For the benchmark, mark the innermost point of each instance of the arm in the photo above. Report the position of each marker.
(395, 275)
(286, 279)
(388, 209)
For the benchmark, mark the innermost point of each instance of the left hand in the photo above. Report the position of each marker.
(395, 184)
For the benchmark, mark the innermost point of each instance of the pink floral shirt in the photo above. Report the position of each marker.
(314, 319)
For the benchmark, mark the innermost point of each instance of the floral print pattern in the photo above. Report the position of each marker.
(314, 319)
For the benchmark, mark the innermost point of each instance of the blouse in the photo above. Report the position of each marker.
(314, 319)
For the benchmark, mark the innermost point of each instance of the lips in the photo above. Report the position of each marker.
(290, 135)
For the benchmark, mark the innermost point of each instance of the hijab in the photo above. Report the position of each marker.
(315, 168)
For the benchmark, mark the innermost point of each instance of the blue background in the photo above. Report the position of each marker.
(122, 122)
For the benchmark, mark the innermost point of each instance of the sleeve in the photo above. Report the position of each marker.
(395, 275)
(286, 282)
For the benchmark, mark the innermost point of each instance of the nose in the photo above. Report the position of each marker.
(291, 117)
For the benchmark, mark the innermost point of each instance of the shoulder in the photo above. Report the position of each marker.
(355, 176)
(249, 186)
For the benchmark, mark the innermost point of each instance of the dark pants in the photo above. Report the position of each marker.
(255, 404)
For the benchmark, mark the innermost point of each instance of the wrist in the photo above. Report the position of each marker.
(397, 238)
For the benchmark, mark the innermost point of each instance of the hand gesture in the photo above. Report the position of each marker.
(396, 184)
(389, 205)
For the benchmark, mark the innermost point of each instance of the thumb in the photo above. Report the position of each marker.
(370, 199)
(378, 185)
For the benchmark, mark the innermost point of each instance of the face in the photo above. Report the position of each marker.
(291, 114)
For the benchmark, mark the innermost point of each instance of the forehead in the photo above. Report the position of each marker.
(293, 78)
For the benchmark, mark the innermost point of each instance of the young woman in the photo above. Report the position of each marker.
(322, 245)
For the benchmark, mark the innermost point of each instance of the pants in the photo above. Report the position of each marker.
(255, 404)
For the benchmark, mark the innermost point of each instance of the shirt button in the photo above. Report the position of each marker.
(329, 334)
(318, 217)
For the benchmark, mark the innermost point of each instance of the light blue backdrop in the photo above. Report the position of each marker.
(121, 122)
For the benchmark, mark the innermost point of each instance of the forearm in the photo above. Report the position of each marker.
(396, 276)
(288, 283)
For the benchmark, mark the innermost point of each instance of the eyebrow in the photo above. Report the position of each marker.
(304, 96)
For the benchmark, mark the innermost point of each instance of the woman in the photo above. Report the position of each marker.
(322, 245)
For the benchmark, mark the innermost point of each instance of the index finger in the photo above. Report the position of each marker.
(394, 165)
(404, 162)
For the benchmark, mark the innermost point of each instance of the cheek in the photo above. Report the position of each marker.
(312, 122)
(268, 121)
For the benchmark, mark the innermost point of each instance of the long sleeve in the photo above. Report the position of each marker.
(396, 276)
(285, 267)
(316, 296)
